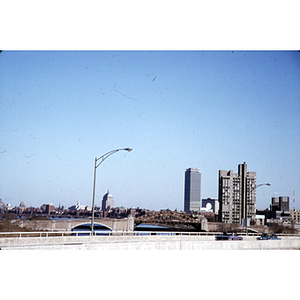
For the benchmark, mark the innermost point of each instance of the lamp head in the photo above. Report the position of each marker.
(128, 149)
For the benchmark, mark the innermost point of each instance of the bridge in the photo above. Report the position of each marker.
(173, 219)
(70, 224)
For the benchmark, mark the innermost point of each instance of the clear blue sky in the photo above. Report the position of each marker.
(208, 110)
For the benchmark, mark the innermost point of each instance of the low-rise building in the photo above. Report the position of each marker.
(211, 204)
(260, 220)
(77, 207)
(295, 215)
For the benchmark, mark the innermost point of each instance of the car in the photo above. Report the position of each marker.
(268, 236)
(228, 236)
(264, 236)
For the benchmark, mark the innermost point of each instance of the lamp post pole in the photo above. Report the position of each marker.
(99, 161)
(254, 188)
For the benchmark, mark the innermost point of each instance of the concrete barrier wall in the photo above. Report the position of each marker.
(144, 243)
(95, 239)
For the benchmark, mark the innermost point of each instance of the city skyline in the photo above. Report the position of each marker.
(177, 109)
(177, 120)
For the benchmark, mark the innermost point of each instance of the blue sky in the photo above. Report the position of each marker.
(210, 110)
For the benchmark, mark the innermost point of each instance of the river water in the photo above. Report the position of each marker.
(142, 229)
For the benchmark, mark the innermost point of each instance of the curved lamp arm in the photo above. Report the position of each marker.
(101, 159)
(258, 185)
(106, 155)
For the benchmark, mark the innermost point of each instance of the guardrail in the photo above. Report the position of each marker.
(34, 234)
(46, 234)
(108, 233)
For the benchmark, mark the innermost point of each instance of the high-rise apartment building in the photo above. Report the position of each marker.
(237, 195)
(192, 190)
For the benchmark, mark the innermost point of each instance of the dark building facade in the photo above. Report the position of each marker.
(49, 208)
(192, 190)
(281, 203)
(275, 204)
(284, 203)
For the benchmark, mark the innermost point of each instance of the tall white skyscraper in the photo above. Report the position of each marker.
(107, 201)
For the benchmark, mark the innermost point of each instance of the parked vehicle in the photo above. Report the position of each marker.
(268, 236)
(228, 236)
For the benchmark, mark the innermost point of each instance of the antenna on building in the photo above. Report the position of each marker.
(294, 200)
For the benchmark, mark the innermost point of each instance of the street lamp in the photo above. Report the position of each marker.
(101, 159)
(262, 184)
(254, 188)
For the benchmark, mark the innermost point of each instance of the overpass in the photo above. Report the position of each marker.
(129, 241)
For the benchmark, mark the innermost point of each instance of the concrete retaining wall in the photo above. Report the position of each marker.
(144, 243)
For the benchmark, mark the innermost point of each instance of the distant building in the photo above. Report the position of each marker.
(49, 208)
(192, 190)
(276, 215)
(260, 219)
(284, 203)
(237, 195)
(212, 204)
(21, 208)
(274, 204)
(279, 209)
(107, 201)
(118, 212)
(295, 215)
(3, 208)
(132, 211)
(281, 203)
(77, 207)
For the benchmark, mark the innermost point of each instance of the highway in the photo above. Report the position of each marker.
(145, 242)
